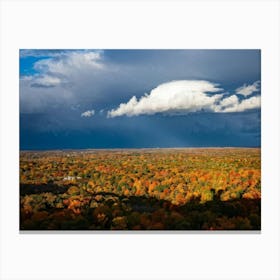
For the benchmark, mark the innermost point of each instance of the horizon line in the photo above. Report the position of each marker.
(142, 148)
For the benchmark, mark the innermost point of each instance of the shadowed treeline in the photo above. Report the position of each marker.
(26, 189)
(52, 207)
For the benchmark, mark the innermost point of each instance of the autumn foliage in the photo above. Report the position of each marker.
(155, 189)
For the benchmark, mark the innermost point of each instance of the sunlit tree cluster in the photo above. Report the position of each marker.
(141, 189)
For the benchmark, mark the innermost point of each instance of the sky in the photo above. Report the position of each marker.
(91, 99)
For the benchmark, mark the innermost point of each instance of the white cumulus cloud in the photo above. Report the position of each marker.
(45, 81)
(175, 96)
(181, 97)
(88, 113)
(70, 62)
(247, 90)
(226, 103)
(253, 102)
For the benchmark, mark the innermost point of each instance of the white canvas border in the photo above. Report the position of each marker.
(139, 24)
